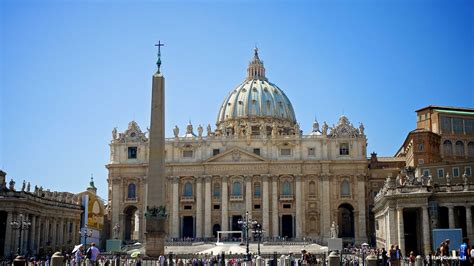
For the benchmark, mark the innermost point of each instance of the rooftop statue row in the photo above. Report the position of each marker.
(406, 182)
(64, 197)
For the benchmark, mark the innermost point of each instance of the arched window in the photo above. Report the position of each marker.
(459, 148)
(131, 191)
(448, 148)
(286, 188)
(217, 190)
(188, 189)
(256, 190)
(470, 149)
(344, 149)
(312, 188)
(236, 189)
(345, 188)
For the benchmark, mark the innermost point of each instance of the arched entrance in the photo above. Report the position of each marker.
(346, 221)
(215, 228)
(132, 223)
(287, 226)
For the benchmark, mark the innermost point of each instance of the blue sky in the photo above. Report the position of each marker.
(73, 70)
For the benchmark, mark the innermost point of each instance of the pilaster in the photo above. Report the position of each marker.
(451, 216)
(299, 215)
(207, 206)
(199, 207)
(225, 201)
(426, 230)
(401, 230)
(265, 205)
(248, 195)
(275, 223)
(175, 209)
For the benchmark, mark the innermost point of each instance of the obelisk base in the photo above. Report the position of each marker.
(155, 237)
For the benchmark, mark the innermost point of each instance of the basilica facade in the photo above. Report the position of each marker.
(257, 160)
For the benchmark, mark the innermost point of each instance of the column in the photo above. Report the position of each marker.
(46, 232)
(426, 230)
(198, 207)
(275, 222)
(265, 206)
(207, 207)
(115, 212)
(469, 232)
(54, 233)
(299, 216)
(401, 230)
(361, 209)
(325, 206)
(248, 195)
(32, 241)
(175, 209)
(61, 231)
(224, 207)
(8, 235)
(451, 216)
(392, 221)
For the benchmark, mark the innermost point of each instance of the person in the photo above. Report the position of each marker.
(472, 254)
(446, 248)
(78, 255)
(399, 254)
(384, 257)
(463, 252)
(93, 254)
(411, 258)
(393, 256)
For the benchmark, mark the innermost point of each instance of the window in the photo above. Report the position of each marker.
(256, 190)
(426, 172)
(131, 191)
(440, 173)
(285, 152)
(286, 188)
(256, 206)
(455, 171)
(217, 207)
(188, 207)
(215, 152)
(187, 153)
(421, 161)
(446, 124)
(344, 149)
(457, 125)
(470, 149)
(217, 190)
(312, 188)
(467, 170)
(345, 188)
(459, 148)
(236, 189)
(448, 148)
(286, 206)
(132, 152)
(188, 189)
(256, 151)
(469, 126)
(420, 147)
(311, 152)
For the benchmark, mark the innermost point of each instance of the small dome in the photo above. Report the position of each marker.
(256, 99)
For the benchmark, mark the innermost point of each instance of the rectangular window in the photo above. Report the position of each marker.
(256, 151)
(187, 154)
(217, 207)
(188, 207)
(467, 170)
(426, 172)
(311, 152)
(446, 124)
(469, 126)
(286, 206)
(440, 173)
(215, 152)
(132, 152)
(285, 152)
(455, 171)
(256, 206)
(344, 149)
(457, 125)
(420, 147)
(421, 161)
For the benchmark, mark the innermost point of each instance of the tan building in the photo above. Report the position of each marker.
(256, 159)
(437, 188)
(49, 220)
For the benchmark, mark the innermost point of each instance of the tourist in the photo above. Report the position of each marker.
(472, 255)
(93, 254)
(384, 257)
(78, 255)
(411, 258)
(393, 256)
(464, 252)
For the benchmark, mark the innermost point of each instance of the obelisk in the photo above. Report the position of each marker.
(156, 216)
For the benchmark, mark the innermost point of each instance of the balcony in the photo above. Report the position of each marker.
(187, 199)
(286, 197)
(236, 198)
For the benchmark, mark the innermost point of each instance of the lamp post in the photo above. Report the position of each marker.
(246, 224)
(257, 233)
(20, 225)
(86, 232)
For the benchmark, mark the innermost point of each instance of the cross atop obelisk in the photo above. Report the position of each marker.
(158, 62)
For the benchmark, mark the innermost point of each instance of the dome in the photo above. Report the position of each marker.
(256, 100)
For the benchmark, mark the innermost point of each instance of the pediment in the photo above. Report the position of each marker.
(236, 155)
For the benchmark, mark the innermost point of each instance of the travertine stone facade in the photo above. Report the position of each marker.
(257, 159)
(54, 219)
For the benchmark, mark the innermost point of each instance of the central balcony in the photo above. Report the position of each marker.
(236, 198)
(187, 199)
(286, 197)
